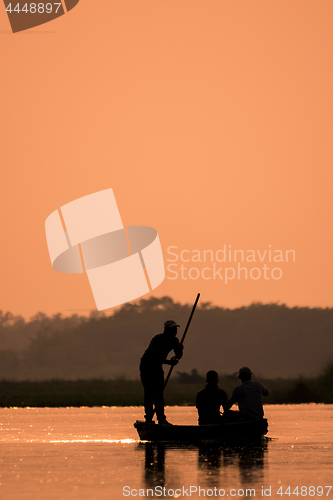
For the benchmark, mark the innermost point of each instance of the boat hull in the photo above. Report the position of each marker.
(236, 432)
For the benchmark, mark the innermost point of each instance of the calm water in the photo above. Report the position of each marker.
(93, 453)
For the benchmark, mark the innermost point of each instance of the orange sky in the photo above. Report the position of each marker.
(210, 119)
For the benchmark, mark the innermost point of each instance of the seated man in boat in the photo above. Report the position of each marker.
(210, 400)
(151, 370)
(248, 396)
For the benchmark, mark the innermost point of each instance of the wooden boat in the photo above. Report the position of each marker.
(236, 432)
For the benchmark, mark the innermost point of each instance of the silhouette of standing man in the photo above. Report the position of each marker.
(151, 370)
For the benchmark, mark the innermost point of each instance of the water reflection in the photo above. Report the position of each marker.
(251, 462)
(211, 461)
(154, 472)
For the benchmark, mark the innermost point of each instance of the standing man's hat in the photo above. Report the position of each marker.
(170, 323)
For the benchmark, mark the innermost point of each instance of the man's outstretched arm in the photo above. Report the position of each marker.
(173, 361)
(230, 401)
(179, 351)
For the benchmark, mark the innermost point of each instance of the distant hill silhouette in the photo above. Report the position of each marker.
(274, 340)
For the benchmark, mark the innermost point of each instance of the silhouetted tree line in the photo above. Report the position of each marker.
(273, 339)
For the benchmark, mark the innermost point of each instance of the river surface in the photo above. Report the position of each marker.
(95, 454)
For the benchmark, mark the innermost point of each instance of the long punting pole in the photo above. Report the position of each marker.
(184, 334)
